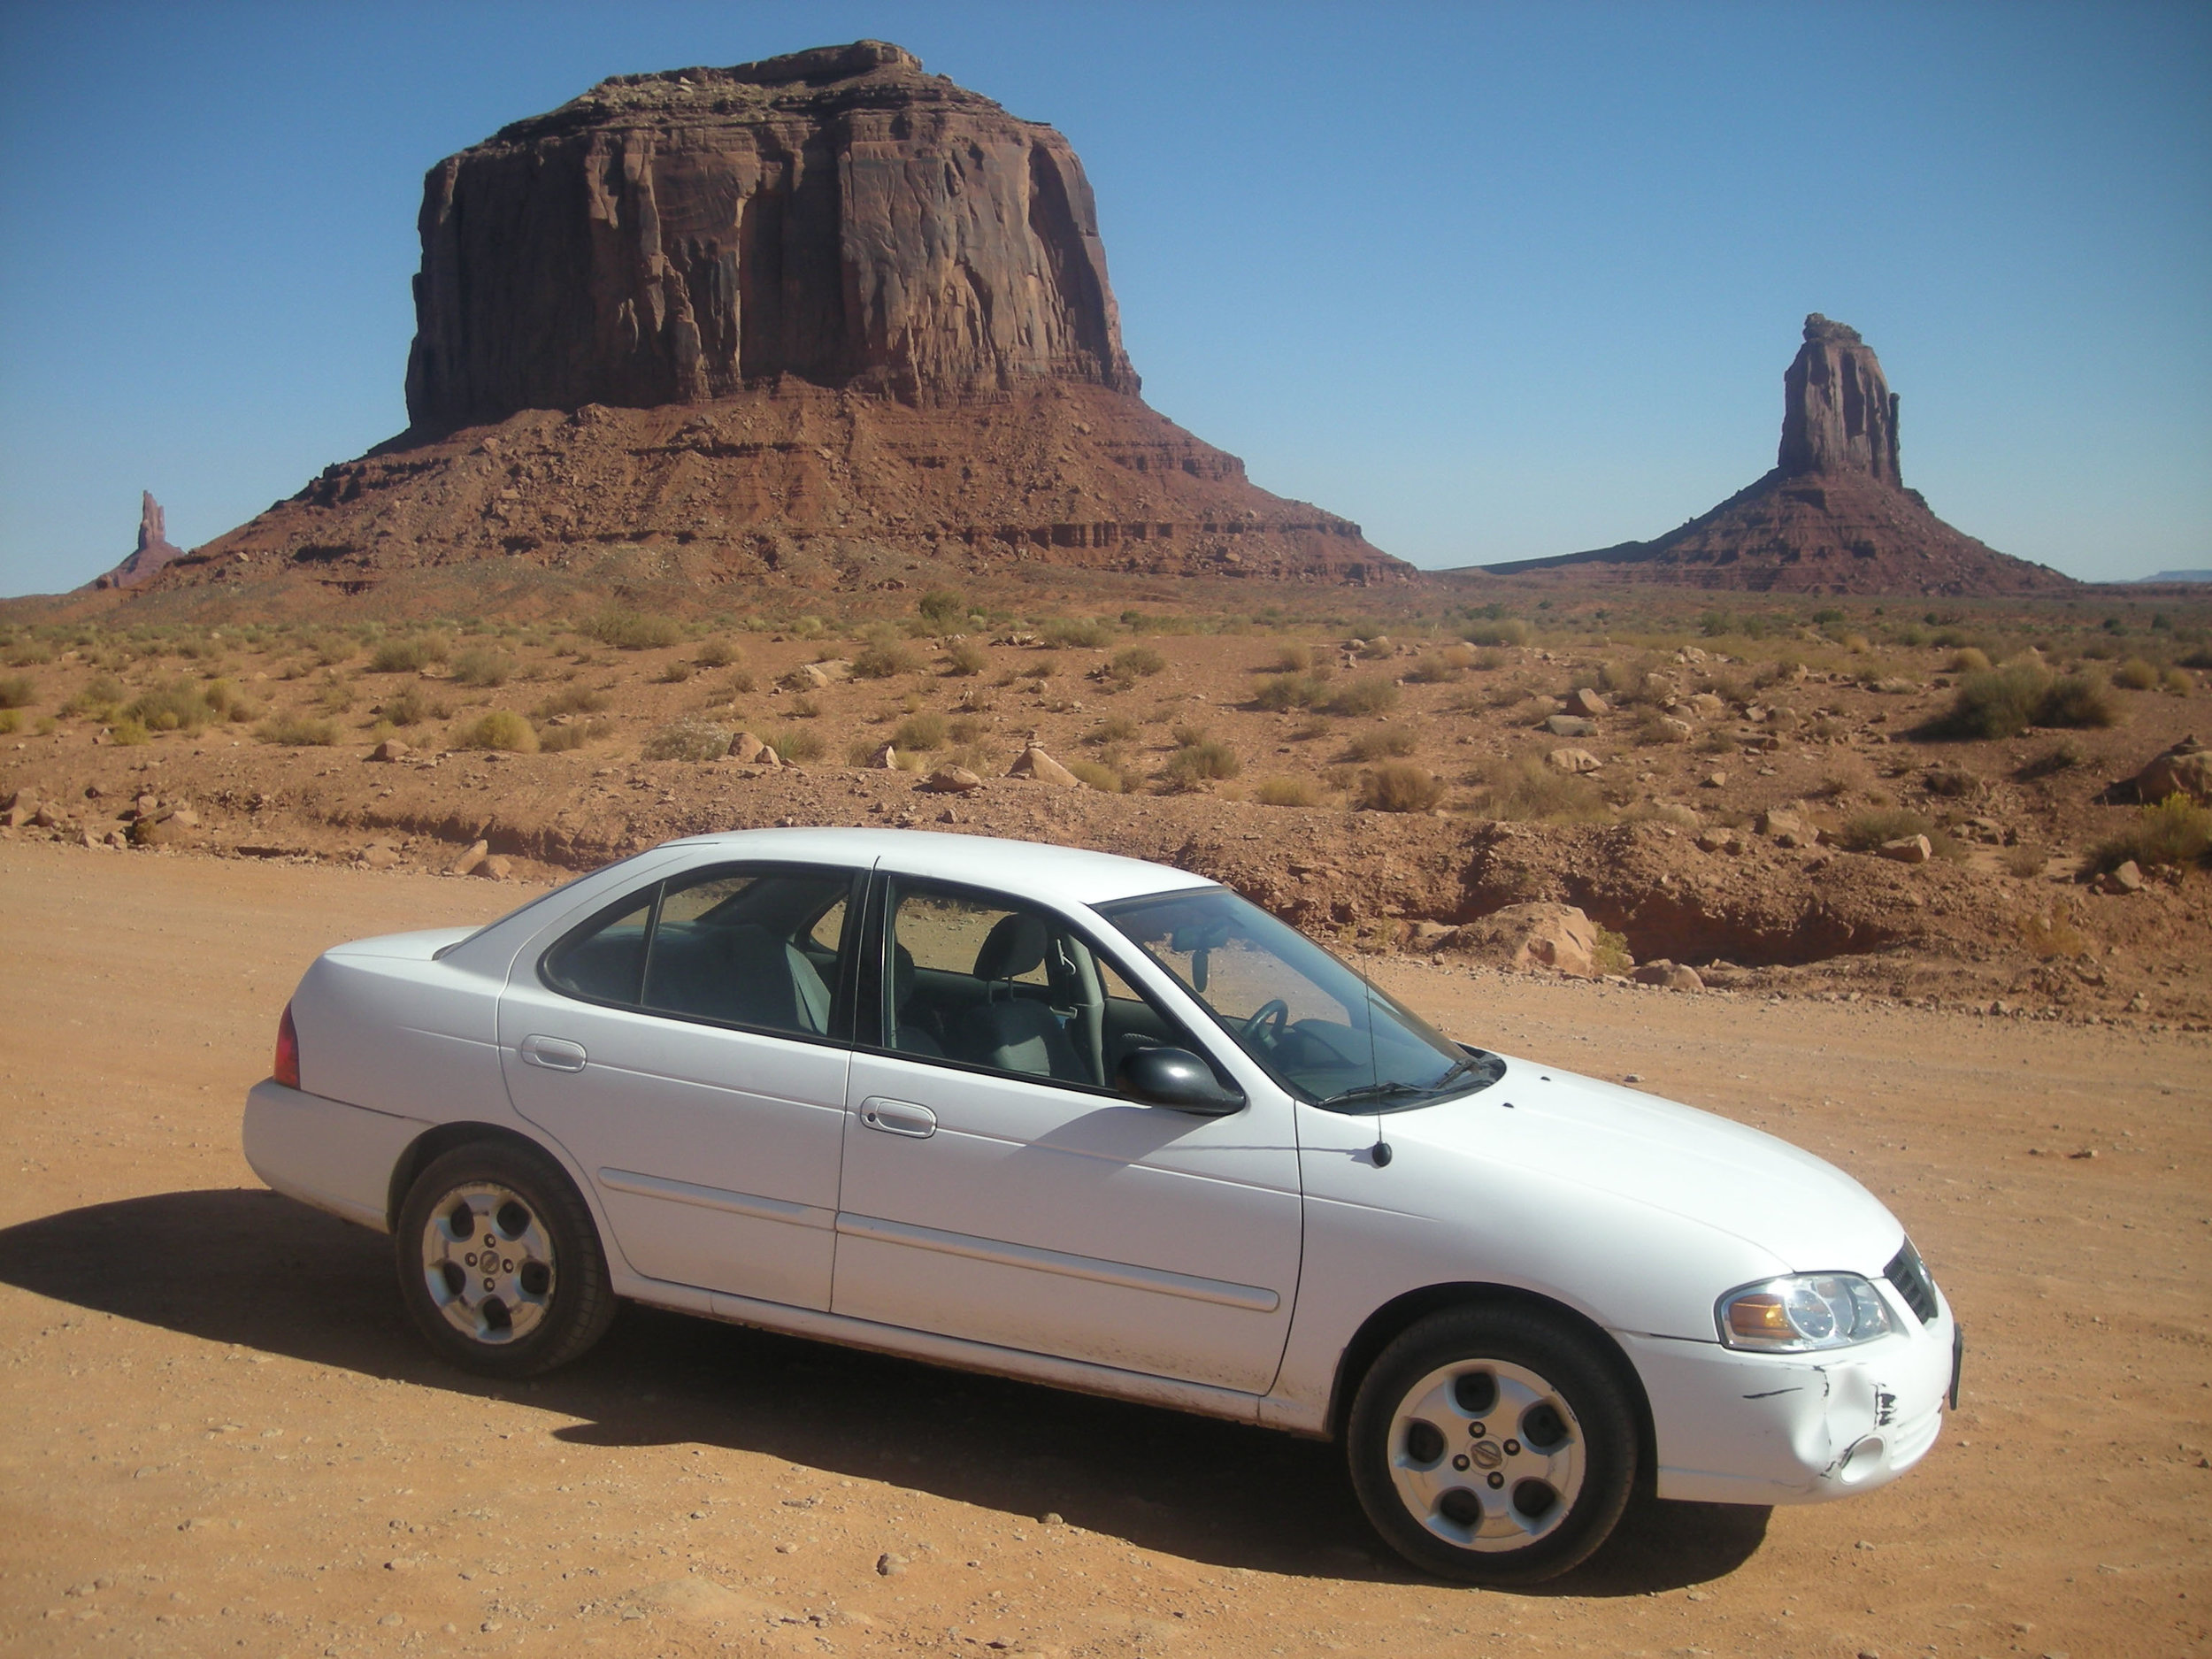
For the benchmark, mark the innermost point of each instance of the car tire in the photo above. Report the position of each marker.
(1493, 1444)
(499, 1262)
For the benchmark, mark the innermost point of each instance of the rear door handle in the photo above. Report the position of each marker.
(899, 1118)
(555, 1054)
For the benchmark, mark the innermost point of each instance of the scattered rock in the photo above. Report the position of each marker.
(1570, 725)
(890, 1565)
(1707, 706)
(1034, 763)
(1714, 781)
(2185, 770)
(498, 867)
(390, 748)
(466, 864)
(379, 855)
(953, 780)
(1677, 731)
(1583, 701)
(1908, 849)
(1719, 840)
(2127, 879)
(1528, 937)
(885, 759)
(1672, 976)
(1785, 828)
(1574, 760)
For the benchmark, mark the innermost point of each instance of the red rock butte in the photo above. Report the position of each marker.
(816, 320)
(1833, 515)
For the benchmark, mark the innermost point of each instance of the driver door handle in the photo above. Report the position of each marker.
(555, 1054)
(898, 1118)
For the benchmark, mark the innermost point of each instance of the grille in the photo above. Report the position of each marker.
(1909, 1274)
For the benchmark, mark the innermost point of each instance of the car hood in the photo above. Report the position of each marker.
(1667, 1156)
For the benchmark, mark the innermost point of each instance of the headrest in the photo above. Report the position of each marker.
(902, 976)
(1015, 946)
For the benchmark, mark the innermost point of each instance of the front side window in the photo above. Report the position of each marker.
(1311, 1021)
(759, 949)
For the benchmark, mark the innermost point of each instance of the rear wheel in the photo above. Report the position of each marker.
(1493, 1445)
(499, 1262)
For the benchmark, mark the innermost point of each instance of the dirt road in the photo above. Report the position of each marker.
(220, 1436)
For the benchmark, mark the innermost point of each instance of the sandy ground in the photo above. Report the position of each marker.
(220, 1437)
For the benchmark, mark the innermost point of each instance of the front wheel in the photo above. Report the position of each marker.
(1492, 1445)
(499, 1262)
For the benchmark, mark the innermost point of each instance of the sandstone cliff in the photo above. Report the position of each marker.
(1832, 517)
(837, 215)
(154, 549)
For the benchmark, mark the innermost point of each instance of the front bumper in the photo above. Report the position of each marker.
(1733, 1427)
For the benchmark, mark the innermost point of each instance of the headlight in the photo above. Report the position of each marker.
(1803, 1313)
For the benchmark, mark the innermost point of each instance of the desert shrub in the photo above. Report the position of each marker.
(101, 698)
(1499, 631)
(30, 653)
(688, 739)
(1530, 789)
(1368, 695)
(1611, 955)
(410, 656)
(481, 666)
(1077, 631)
(1288, 792)
(1951, 781)
(2050, 936)
(796, 744)
(1102, 777)
(295, 731)
(631, 630)
(806, 709)
(942, 608)
(1115, 729)
(1291, 691)
(674, 671)
(2175, 831)
(573, 698)
(1399, 786)
(884, 658)
(1289, 659)
(919, 732)
(1863, 832)
(1383, 742)
(498, 728)
(12, 722)
(809, 628)
(966, 659)
(176, 707)
(2173, 683)
(1138, 662)
(1970, 660)
(1438, 668)
(2135, 674)
(2076, 701)
(1998, 703)
(127, 732)
(715, 654)
(558, 739)
(2022, 861)
(1205, 760)
(16, 691)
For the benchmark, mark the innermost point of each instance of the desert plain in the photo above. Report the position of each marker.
(221, 1436)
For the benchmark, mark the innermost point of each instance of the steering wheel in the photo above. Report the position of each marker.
(1274, 1008)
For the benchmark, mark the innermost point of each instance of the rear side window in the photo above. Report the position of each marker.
(758, 948)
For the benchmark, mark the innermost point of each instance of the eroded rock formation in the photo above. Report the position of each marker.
(154, 549)
(837, 215)
(1832, 517)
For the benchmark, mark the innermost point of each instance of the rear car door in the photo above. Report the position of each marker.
(996, 1188)
(688, 1046)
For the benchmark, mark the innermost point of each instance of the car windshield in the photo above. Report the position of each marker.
(1314, 1025)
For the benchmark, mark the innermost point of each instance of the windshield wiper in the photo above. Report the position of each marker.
(1458, 1068)
(1374, 1091)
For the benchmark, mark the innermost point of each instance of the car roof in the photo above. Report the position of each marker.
(1034, 868)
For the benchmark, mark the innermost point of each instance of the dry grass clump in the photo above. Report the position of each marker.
(1076, 633)
(1281, 692)
(1399, 786)
(1115, 729)
(573, 698)
(1199, 759)
(2004, 702)
(716, 653)
(482, 667)
(295, 731)
(99, 698)
(1383, 742)
(2175, 831)
(554, 740)
(1863, 832)
(499, 729)
(919, 732)
(674, 671)
(2052, 937)
(1498, 631)
(795, 745)
(2135, 674)
(17, 691)
(966, 659)
(1368, 695)
(1289, 659)
(410, 656)
(1970, 659)
(1436, 668)
(1098, 776)
(631, 630)
(884, 658)
(688, 739)
(1952, 781)
(1528, 789)
(177, 706)
(1139, 662)
(1287, 792)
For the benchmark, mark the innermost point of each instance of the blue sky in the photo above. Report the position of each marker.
(1497, 281)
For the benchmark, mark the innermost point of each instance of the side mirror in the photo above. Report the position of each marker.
(1175, 1078)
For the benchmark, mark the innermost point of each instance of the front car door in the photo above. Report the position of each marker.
(688, 1046)
(995, 1187)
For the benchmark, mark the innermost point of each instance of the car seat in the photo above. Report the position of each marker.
(1011, 1032)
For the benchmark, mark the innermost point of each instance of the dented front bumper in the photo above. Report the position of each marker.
(1733, 1427)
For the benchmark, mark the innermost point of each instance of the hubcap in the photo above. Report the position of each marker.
(1486, 1455)
(487, 1262)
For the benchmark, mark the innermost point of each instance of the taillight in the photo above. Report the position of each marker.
(287, 1070)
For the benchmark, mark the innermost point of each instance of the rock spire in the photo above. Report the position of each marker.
(154, 549)
(1838, 412)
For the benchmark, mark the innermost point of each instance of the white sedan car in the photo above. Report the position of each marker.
(1103, 1125)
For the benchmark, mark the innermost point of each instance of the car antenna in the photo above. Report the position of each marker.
(1380, 1153)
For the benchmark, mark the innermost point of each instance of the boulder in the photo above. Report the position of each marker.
(1908, 849)
(1719, 840)
(953, 780)
(1676, 730)
(1671, 976)
(1570, 725)
(466, 864)
(2127, 879)
(1706, 705)
(498, 867)
(1713, 780)
(1573, 760)
(2185, 770)
(748, 750)
(885, 759)
(1537, 936)
(1034, 763)
(380, 856)
(1583, 701)
(1785, 828)
(390, 748)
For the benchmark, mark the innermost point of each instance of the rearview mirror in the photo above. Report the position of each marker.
(1175, 1078)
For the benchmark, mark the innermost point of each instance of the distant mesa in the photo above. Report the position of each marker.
(2180, 576)
(1833, 515)
(823, 320)
(154, 549)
